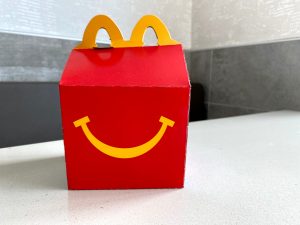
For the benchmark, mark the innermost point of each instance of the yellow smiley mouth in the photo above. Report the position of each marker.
(124, 153)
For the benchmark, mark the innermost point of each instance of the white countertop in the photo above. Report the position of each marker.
(240, 170)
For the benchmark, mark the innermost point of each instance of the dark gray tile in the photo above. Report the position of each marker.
(187, 56)
(201, 68)
(219, 111)
(198, 108)
(30, 113)
(264, 76)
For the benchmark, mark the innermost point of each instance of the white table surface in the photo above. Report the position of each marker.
(240, 170)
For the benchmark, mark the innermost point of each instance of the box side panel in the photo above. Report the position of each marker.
(125, 118)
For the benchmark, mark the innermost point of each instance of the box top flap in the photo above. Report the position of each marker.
(155, 66)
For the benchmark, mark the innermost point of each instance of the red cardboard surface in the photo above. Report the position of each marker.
(124, 92)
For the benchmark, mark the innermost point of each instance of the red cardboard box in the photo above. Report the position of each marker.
(125, 110)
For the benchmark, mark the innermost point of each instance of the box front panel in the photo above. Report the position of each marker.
(123, 143)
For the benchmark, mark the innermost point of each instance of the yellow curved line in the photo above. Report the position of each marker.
(123, 153)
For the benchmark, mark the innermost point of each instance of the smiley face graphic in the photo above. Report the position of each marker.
(124, 153)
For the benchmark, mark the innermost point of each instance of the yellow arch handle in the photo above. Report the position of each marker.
(160, 29)
(91, 30)
(123, 153)
(117, 41)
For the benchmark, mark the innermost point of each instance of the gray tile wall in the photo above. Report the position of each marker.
(30, 68)
(249, 79)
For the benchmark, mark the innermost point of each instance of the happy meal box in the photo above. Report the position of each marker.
(125, 110)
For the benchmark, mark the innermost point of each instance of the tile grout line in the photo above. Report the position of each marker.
(234, 106)
(210, 79)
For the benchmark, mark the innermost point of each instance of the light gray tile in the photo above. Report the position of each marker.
(264, 76)
(29, 58)
(29, 73)
(68, 45)
(30, 51)
(219, 111)
(201, 68)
